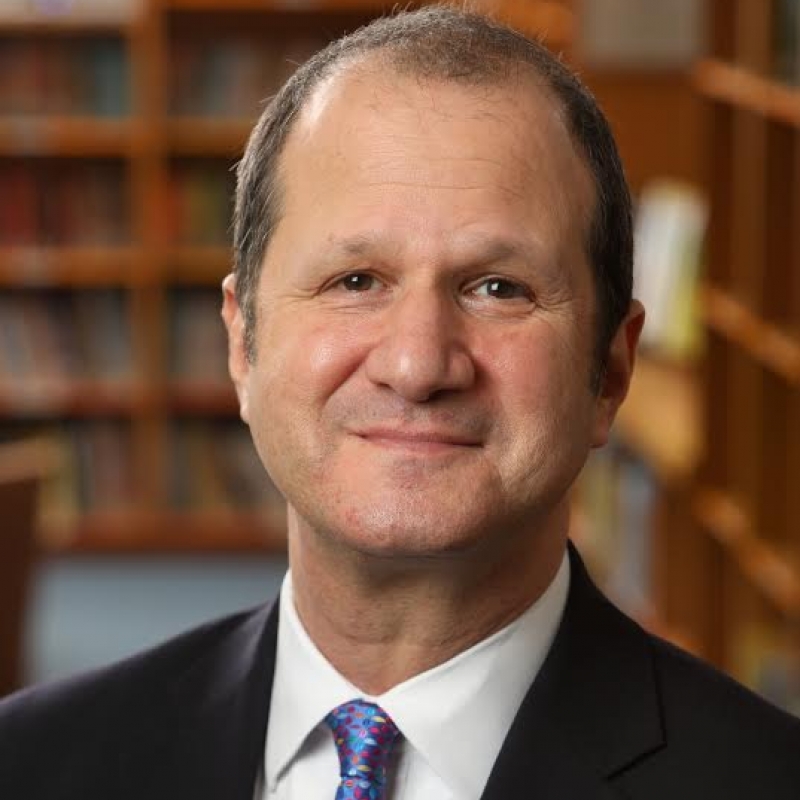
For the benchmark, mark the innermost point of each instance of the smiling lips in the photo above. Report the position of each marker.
(422, 441)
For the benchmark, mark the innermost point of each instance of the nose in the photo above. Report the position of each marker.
(421, 351)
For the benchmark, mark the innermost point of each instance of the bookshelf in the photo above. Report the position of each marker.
(746, 505)
(691, 517)
(119, 124)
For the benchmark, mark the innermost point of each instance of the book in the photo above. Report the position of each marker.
(233, 76)
(102, 459)
(215, 467)
(200, 202)
(198, 349)
(615, 502)
(671, 220)
(766, 656)
(80, 75)
(93, 468)
(786, 40)
(63, 202)
(100, 323)
(247, 483)
(52, 337)
(105, 460)
(54, 11)
(20, 221)
(629, 580)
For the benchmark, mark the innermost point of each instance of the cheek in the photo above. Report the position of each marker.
(297, 370)
(542, 385)
(526, 364)
(305, 364)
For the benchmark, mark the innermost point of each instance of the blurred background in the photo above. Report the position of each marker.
(132, 504)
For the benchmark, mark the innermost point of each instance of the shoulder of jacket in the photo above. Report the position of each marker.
(101, 693)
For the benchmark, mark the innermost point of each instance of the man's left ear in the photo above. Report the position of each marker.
(617, 376)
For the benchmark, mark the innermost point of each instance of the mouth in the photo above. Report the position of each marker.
(418, 441)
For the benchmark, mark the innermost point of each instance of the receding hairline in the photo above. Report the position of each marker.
(367, 66)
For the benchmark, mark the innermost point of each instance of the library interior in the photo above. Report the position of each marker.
(132, 501)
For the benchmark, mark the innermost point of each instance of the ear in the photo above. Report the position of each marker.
(238, 365)
(618, 373)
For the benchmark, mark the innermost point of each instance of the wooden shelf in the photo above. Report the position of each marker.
(129, 531)
(69, 136)
(32, 23)
(208, 136)
(80, 398)
(553, 21)
(669, 393)
(768, 344)
(193, 265)
(202, 398)
(367, 6)
(71, 266)
(775, 576)
(736, 86)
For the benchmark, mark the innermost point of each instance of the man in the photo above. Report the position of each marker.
(430, 325)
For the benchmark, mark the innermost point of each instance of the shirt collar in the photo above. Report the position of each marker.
(305, 688)
(476, 693)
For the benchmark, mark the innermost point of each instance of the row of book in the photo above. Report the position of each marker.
(199, 202)
(75, 76)
(614, 523)
(84, 202)
(91, 467)
(55, 336)
(214, 466)
(786, 40)
(616, 494)
(767, 658)
(55, 11)
(62, 202)
(198, 341)
(232, 77)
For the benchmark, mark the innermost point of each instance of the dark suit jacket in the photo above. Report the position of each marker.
(613, 713)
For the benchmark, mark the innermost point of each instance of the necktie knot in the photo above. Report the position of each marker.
(364, 735)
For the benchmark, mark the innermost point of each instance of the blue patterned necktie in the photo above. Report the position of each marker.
(364, 735)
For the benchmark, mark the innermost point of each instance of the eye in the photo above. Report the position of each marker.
(357, 282)
(502, 289)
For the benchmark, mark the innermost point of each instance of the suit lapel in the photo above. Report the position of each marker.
(592, 710)
(209, 742)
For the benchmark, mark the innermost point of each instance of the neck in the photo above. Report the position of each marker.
(394, 619)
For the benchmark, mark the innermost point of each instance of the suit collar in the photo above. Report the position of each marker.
(592, 711)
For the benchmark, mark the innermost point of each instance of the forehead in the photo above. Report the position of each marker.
(499, 149)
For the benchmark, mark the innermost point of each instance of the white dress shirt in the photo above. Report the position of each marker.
(454, 717)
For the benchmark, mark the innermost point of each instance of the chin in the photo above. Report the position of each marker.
(409, 534)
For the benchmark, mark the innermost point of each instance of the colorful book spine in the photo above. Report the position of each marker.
(77, 76)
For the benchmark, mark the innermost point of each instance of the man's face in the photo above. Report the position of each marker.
(424, 317)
